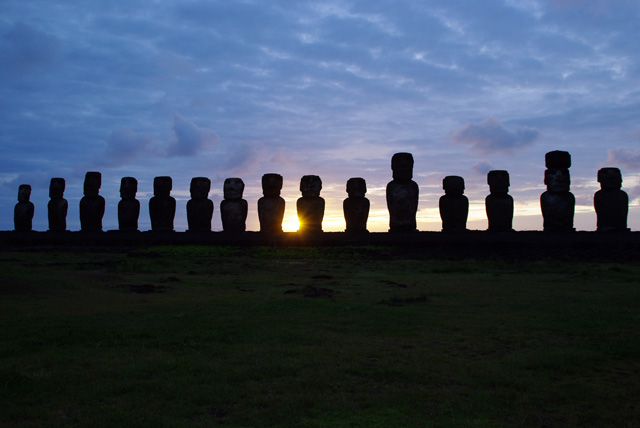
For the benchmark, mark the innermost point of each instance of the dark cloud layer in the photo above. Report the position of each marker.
(624, 158)
(189, 138)
(490, 136)
(25, 49)
(124, 146)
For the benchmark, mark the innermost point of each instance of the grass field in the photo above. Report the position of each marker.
(314, 337)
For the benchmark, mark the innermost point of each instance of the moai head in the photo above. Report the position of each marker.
(162, 186)
(402, 166)
(453, 185)
(498, 181)
(200, 187)
(356, 187)
(56, 188)
(557, 180)
(92, 183)
(271, 185)
(310, 186)
(128, 188)
(557, 159)
(233, 188)
(24, 193)
(610, 178)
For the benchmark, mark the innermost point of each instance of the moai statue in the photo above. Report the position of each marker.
(129, 206)
(454, 206)
(310, 206)
(23, 212)
(499, 204)
(162, 206)
(200, 207)
(557, 203)
(57, 207)
(92, 204)
(402, 195)
(233, 209)
(271, 205)
(356, 206)
(611, 202)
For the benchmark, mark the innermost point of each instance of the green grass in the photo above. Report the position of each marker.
(314, 337)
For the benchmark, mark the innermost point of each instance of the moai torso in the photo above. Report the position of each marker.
(557, 203)
(499, 204)
(310, 206)
(233, 209)
(162, 206)
(271, 205)
(200, 207)
(129, 206)
(402, 195)
(611, 202)
(24, 209)
(58, 206)
(356, 206)
(454, 206)
(92, 204)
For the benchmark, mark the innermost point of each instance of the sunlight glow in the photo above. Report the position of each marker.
(290, 223)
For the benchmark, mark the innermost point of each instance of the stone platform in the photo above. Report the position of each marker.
(526, 245)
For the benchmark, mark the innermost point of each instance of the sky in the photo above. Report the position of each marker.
(330, 88)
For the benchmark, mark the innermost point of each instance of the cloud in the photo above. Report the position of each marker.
(25, 49)
(123, 146)
(190, 139)
(490, 136)
(243, 158)
(624, 158)
(482, 168)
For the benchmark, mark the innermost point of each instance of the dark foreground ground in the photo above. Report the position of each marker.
(426, 331)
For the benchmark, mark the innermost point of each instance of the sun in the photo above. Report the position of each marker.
(290, 224)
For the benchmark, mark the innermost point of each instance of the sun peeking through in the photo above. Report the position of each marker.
(290, 223)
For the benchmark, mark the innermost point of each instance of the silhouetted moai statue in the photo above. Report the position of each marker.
(356, 206)
(233, 209)
(499, 204)
(310, 206)
(271, 205)
(23, 212)
(557, 203)
(454, 206)
(200, 207)
(129, 206)
(162, 206)
(611, 202)
(57, 207)
(402, 195)
(92, 204)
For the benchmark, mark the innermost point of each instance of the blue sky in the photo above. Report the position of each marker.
(238, 89)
